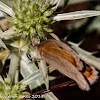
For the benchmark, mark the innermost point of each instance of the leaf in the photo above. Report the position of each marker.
(53, 2)
(54, 36)
(34, 76)
(76, 15)
(95, 25)
(51, 69)
(56, 2)
(7, 34)
(14, 63)
(1, 66)
(20, 44)
(6, 9)
(44, 71)
(2, 44)
(50, 96)
(27, 68)
(79, 1)
(4, 54)
(1, 79)
(1, 14)
(43, 68)
(16, 76)
(86, 56)
(7, 2)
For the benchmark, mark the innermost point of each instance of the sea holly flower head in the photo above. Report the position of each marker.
(9, 91)
(32, 18)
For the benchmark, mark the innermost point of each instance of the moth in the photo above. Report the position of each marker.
(60, 56)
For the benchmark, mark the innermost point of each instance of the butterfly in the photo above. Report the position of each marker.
(60, 56)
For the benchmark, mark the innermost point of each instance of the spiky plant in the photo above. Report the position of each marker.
(30, 20)
(9, 91)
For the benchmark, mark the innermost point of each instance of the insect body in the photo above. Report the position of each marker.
(65, 60)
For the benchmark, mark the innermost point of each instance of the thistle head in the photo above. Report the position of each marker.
(8, 90)
(32, 18)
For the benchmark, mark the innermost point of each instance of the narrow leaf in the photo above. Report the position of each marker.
(53, 2)
(4, 55)
(6, 9)
(34, 76)
(28, 68)
(43, 68)
(14, 63)
(76, 15)
(54, 36)
(1, 14)
(57, 2)
(86, 56)
(78, 1)
(50, 96)
(7, 34)
(16, 76)
(1, 79)
(21, 44)
(2, 44)
(44, 71)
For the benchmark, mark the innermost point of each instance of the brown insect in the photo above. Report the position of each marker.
(65, 60)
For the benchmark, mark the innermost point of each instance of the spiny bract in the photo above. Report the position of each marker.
(32, 18)
(9, 91)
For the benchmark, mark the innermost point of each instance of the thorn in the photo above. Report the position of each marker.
(94, 52)
(56, 5)
(65, 38)
(54, 36)
(80, 42)
(73, 44)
